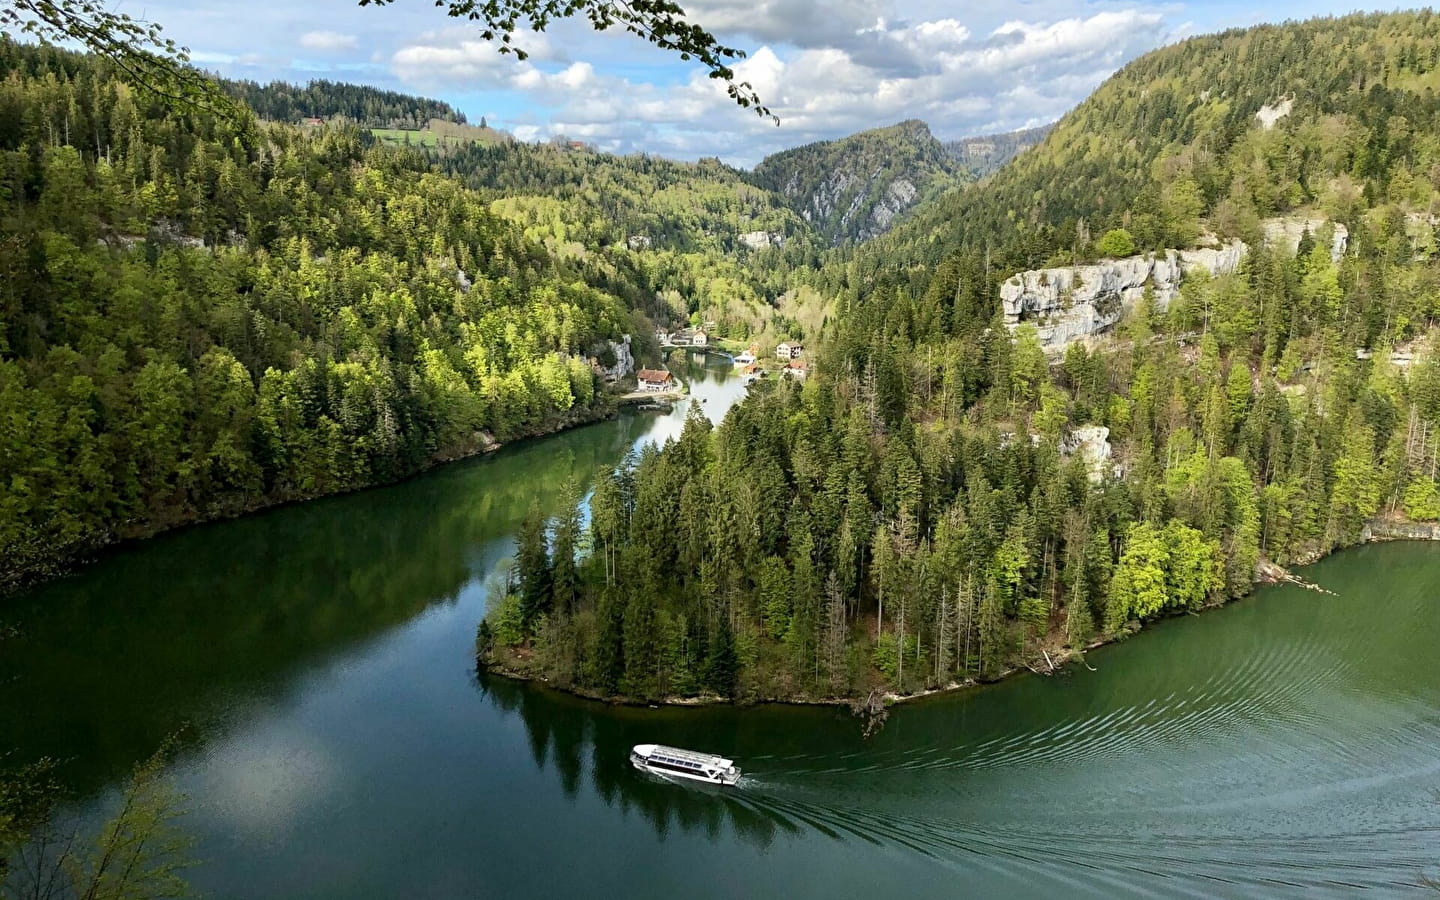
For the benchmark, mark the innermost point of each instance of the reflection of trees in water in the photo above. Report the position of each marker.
(563, 731)
(109, 663)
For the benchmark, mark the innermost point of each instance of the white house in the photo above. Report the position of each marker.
(655, 380)
(745, 359)
(699, 339)
(788, 351)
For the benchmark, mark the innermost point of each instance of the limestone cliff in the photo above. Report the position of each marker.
(612, 360)
(855, 188)
(1074, 302)
(986, 154)
(1286, 232)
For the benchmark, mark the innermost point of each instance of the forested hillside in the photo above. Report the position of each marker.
(365, 106)
(854, 188)
(983, 155)
(1192, 149)
(201, 315)
(941, 501)
(723, 250)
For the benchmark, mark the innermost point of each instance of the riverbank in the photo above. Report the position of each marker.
(1053, 654)
(26, 568)
(514, 667)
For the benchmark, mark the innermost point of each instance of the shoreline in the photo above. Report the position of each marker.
(69, 564)
(1267, 573)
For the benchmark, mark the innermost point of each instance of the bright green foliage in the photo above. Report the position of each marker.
(1138, 588)
(915, 513)
(925, 471)
(1161, 570)
(204, 315)
(140, 852)
(1422, 500)
(676, 227)
(1115, 244)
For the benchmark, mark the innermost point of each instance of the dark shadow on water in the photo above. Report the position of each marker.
(197, 628)
(576, 738)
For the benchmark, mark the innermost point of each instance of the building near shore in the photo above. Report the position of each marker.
(655, 380)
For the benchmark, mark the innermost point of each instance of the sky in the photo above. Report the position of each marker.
(826, 69)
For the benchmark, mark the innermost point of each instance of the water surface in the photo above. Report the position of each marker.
(339, 743)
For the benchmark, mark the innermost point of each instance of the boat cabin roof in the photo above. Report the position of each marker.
(687, 758)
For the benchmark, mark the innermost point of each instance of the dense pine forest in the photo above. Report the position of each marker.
(723, 249)
(201, 314)
(204, 313)
(917, 514)
(322, 99)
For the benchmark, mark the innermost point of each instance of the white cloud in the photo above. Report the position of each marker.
(827, 67)
(466, 63)
(842, 67)
(329, 41)
(456, 57)
(1018, 74)
(802, 23)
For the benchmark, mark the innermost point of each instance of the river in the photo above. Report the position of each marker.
(337, 742)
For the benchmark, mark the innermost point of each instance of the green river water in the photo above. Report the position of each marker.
(338, 742)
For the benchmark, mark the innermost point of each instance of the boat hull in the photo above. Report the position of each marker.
(722, 780)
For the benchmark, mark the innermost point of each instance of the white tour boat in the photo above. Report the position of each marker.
(671, 762)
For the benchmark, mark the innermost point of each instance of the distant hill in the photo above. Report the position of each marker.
(1329, 116)
(854, 188)
(439, 131)
(369, 107)
(983, 155)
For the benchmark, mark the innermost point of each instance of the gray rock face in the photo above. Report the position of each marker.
(898, 197)
(1073, 302)
(1387, 530)
(1270, 114)
(1092, 444)
(624, 359)
(833, 193)
(758, 240)
(1286, 233)
(462, 281)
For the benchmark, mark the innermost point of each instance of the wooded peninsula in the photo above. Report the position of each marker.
(1188, 331)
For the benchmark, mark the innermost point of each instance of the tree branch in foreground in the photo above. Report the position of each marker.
(661, 22)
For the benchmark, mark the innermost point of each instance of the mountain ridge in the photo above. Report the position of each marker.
(853, 188)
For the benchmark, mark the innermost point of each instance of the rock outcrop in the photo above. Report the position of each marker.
(618, 351)
(1092, 444)
(898, 197)
(1269, 114)
(759, 240)
(855, 188)
(1286, 233)
(1069, 303)
(1399, 530)
(983, 155)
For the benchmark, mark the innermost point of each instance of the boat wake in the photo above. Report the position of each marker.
(1197, 792)
(1035, 855)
